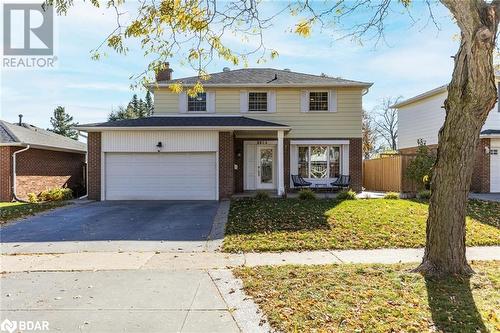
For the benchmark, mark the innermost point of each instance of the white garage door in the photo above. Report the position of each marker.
(495, 168)
(160, 176)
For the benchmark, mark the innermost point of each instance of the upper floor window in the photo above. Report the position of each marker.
(257, 101)
(197, 103)
(318, 101)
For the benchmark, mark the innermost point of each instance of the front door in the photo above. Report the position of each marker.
(265, 167)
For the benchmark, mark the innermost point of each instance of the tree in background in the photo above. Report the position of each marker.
(420, 169)
(149, 103)
(62, 122)
(369, 135)
(162, 27)
(136, 108)
(386, 122)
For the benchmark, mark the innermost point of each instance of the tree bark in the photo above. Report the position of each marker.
(471, 95)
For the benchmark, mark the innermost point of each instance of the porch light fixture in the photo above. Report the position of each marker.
(159, 145)
(486, 150)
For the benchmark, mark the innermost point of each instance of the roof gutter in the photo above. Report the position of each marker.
(427, 94)
(14, 181)
(194, 128)
(22, 144)
(489, 136)
(266, 85)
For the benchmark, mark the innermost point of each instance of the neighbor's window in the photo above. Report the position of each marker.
(318, 101)
(257, 101)
(197, 103)
(319, 162)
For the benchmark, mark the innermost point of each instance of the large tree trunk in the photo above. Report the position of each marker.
(471, 95)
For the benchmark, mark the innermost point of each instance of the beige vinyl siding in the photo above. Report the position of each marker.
(166, 102)
(227, 101)
(345, 123)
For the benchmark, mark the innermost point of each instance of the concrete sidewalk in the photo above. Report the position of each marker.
(131, 301)
(95, 261)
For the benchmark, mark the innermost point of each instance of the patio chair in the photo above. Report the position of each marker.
(300, 182)
(342, 182)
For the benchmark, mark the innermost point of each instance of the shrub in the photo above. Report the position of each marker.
(346, 195)
(32, 197)
(307, 194)
(424, 195)
(262, 195)
(56, 194)
(419, 169)
(391, 195)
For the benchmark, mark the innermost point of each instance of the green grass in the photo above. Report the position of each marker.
(295, 225)
(14, 210)
(374, 298)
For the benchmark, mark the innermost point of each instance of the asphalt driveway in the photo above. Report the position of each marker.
(177, 222)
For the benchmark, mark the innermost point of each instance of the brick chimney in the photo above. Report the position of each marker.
(164, 74)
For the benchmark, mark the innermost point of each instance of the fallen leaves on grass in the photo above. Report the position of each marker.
(373, 298)
(296, 225)
(11, 211)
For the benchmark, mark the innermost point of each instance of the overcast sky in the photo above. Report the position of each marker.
(414, 59)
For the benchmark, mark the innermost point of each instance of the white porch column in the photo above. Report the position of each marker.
(281, 165)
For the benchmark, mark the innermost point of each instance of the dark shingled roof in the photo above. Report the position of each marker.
(32, 135)
(187, 121)
(267, 77)
(490, 131)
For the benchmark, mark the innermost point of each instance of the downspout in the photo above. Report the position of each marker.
(86, 170)
(86, 180)
(14, 182)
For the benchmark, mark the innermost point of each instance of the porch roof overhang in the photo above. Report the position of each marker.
(190, 122)
(490, 133)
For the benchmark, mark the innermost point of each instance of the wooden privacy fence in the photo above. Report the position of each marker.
(388, 174)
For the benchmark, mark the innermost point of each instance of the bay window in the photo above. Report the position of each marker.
(319, 162)
(304, 162)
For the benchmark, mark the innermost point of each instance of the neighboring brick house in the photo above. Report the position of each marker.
(250, 130)
(422, 116)
(43, 160)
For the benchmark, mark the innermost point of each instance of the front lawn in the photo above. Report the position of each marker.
(14, 210)
(374, 298)
(295, 225)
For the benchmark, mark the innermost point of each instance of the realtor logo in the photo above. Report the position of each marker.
(28, 30)
(8, 326)
(24, 325)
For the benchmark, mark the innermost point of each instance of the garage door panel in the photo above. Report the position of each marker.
(160, 176)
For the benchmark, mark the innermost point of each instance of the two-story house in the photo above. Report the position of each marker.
(251, 129)
(421, 117)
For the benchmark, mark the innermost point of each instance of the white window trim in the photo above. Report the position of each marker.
(341, 159)
(245, 101)
(319, 142)
(183, 102)
(309, 100)
(305, 101)
(206, 104)
(267, 101)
